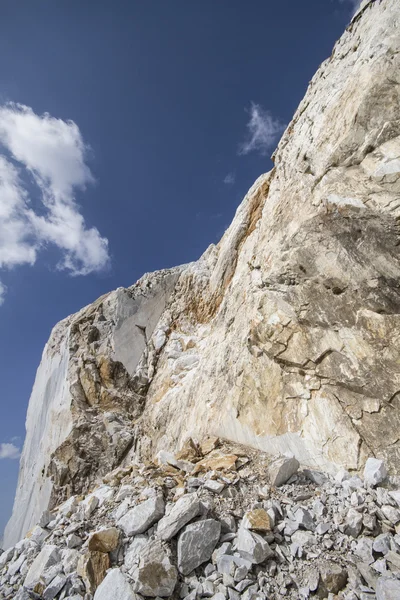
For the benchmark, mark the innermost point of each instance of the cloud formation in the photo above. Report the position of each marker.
(8, 450)
(230, 179)
(49, 153)
(263, 131)
(354, 3)
(3, 290)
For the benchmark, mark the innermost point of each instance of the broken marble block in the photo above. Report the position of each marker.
(134, 549)
(140, 518)
(196, 544)
(353, 523)
(116, 586)
(48, 556)
(252, 546)
(282, 469)
(387, 589)
(374, 472)
(155, 575)
(54, 587)
(180, 514)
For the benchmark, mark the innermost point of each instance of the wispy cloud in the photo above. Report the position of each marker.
(51, 154)
(263, 131)
(355, 4)
(230, 179)
(3, 290)
(8, 450)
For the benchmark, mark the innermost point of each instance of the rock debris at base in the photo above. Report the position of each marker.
(159, 531)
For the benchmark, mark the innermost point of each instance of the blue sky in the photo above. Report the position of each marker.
(129, 132)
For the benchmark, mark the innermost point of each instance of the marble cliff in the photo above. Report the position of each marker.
(284, 336)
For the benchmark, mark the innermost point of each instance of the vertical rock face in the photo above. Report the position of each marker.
(284, 336)
(89, 389)
(48, 422)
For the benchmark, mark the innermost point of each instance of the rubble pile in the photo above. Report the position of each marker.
(218, 521)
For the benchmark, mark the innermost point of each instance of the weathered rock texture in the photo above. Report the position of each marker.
(284, 336)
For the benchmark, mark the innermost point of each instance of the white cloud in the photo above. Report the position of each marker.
(263, 131)
(230, 179)
(52, 152)
(3, 291)
(8, 450)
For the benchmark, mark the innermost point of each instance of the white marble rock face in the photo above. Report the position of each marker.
(284, 336)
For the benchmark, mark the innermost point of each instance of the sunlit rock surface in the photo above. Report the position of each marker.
(284, 336)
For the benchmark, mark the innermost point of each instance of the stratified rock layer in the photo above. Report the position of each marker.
(284, 336)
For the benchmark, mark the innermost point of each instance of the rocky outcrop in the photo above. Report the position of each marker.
(85, 399)
(283, 337)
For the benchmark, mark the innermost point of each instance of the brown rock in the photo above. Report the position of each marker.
(332, 579)
(257, 520)
(225, 462)
(92, 567)
(156, 575)
(105, 540)
(189, 451)
(208, 445)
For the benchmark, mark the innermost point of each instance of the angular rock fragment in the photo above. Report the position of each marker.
(381, 544)
(228, 524)
(140, 518)
(38, 535)
(45, 518)
(364, 550)
(252, 546)
(92, 567)
(223, 462)
(134, 550)
(282, 469)
(16, 565)
(89, 505)
(185, 509)
(228, 564)
(374, 472)
(332, 579)
(387, 589)
(54, 587)
(48, 556)
(257, 519)
(304, 519)
(353, 524)
(104, 540)
(214, 486)
(208, 445)
(396, 496)
(315, 476)
(156, 575)
(115, 586)
(69, 560)
(6, 557)
(68, 507)
(393, 558)
(74, 541)
(391, 513)
(196, 544)
(126, 491)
